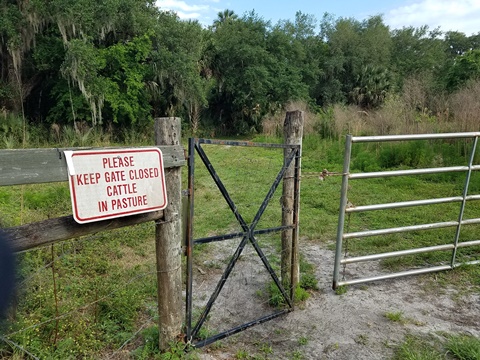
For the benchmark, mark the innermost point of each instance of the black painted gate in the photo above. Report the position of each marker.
(247, 236)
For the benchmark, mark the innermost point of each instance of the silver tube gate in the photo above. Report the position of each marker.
(346, 208)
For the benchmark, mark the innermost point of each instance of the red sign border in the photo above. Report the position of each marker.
(76, 216)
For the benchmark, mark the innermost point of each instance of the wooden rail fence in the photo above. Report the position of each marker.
(36, 166)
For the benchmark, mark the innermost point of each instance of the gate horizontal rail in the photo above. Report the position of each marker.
(408, 252)
(389, 138)
(347, 208)
(401, 204)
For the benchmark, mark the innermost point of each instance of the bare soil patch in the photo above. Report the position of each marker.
(330, 326)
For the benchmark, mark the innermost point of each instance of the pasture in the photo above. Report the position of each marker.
(94, 297)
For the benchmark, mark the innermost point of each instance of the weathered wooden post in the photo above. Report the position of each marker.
(168, 239)
(290, 266)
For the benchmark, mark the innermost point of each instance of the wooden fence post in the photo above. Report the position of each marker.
(293, 132)
(168, 240)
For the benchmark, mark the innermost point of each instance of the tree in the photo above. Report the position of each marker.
(465, 68)
(351, 45)
(19, 24)
(257, 70)
(58, 51)
(457, 43)
(174, 80)
(417, 51)
(223, 17)
(105, 59)
(238, 61)
(373, 84)
(298, 42)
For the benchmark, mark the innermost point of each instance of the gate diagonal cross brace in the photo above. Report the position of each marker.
(248, 235)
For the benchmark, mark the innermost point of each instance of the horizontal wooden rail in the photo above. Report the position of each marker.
(49, 231)
(35, 166)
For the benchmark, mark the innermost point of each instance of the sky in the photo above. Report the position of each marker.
(456, 15)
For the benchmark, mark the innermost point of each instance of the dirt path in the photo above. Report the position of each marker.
(352, 325)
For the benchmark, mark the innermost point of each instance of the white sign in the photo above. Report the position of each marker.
(106, 184)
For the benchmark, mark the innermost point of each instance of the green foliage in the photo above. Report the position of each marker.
(52, 200)
(124, 86)
(68, 104)
(97, 312)
(277, 300)
(239, 64)
(113, 75)
(416, 50)
(301, 294)
(363, 162)
(150, 349)
(7, 93)
(242, 354)
(465, 68)
(308, 282)
(11, 24)
(303, 341)
(340, 290)
(174, 84)
(351, 46)
(125, 61)
(372, 87)
(409, 154)
(325, 126)
(11, 131)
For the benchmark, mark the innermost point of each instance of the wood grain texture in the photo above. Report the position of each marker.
(35, 166)
(49, 231)
(293, 133)
(169, 242)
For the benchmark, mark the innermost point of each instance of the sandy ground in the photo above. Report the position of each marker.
(330, 326)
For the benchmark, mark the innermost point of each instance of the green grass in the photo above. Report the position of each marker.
(247, 174)
(96, 311)
(455, 347)
(414, 348)
(395, 316)
(99, 313)
(464, 347)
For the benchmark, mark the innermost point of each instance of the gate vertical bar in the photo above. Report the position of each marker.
(189, 238)
(462, 206)
(342, 210)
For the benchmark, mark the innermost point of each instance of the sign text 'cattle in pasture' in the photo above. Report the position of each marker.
(106, 184)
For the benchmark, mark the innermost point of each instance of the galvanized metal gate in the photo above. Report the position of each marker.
(248, 234)
(346, 209)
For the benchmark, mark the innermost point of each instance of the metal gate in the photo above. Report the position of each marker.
(248, 234)
(346, 208)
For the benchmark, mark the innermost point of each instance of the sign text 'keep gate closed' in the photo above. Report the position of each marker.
(106, 184)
